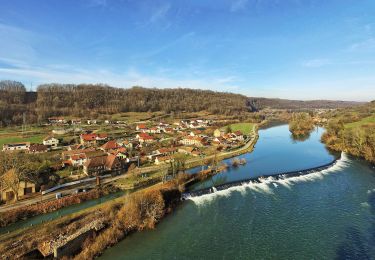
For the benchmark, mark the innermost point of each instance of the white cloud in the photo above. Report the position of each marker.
(97, 3)
(131, 77)
(238, 5)
(316, 63)
(160, 13)
(366, 45)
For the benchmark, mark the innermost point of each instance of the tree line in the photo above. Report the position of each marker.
(89, 100)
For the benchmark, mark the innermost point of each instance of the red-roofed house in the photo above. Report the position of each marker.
(110, 145)
(145, 138)
(102, 164)
(141, 127)
(91, 139)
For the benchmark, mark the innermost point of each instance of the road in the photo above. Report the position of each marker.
(52, 195)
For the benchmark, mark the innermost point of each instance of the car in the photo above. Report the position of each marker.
(58, 195)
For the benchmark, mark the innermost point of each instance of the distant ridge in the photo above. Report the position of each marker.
(260, 103)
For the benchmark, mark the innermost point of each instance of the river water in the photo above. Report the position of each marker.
(323, 215)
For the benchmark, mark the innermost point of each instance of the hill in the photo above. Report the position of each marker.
(276, 103)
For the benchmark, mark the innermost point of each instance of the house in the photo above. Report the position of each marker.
(57, 120)
(145, 138)
(219, 132)
(24, 188)
(92, 122)
(50, 142)
(38, 148)
(193, 140)
(102, 164)
(163, 159)
(110, 145)
(92, 139)
(168, 130)
(75, 121)
(141, 128)
(154, 130)
(189, 150)
(120, 152)
(77, 158)
(239, 135)
(21, 146)
(167, 151)
(127, 144)
(162, 152)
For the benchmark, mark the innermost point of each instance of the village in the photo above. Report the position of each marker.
(146, 145)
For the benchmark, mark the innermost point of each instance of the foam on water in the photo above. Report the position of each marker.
(266, 185)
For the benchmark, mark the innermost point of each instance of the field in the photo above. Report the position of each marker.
(245, 128)
(365, 121)
(14, 139)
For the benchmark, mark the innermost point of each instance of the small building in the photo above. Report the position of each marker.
(25, 188)
(50, 141)
(21, 146)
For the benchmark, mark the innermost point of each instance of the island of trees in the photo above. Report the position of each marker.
(301, 124)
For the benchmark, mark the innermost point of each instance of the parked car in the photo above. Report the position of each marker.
(58, 195)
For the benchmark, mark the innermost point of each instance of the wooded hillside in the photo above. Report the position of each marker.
(91, 100)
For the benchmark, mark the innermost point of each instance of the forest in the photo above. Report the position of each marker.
(89, 100)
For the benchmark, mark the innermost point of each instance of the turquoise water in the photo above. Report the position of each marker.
(324, 215)
(59, 213)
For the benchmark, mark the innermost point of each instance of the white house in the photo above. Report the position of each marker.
(21, 146)
(50, 142)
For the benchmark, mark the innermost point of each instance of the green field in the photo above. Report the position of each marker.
(15, 139)
(245, 128)
(365, 121)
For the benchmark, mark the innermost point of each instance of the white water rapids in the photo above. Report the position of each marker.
(266, 185)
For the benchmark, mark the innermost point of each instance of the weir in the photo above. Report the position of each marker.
(260, 179)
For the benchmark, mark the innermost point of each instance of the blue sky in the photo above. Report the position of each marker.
(297, 49)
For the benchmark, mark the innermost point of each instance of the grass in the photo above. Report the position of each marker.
(132, 179)
(14, 139)
(365, 121)
(245, 128)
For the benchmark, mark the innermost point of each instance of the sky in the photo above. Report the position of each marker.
(295, 49)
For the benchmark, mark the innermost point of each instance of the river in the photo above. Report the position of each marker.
(323, 215)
